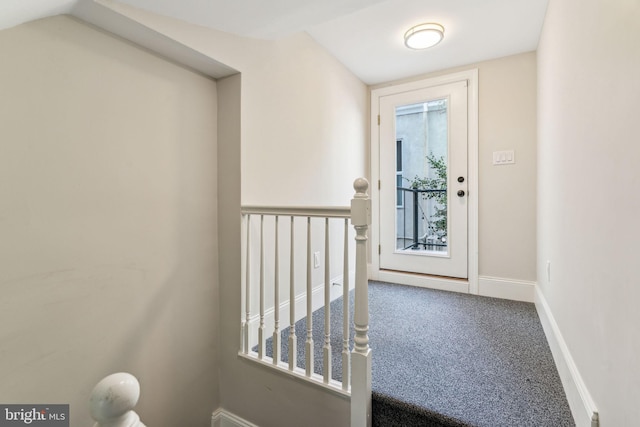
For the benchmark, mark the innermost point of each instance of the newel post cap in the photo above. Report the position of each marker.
(114, 396)
(361, 204)
(361, 185)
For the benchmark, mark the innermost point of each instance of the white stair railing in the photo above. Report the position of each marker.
(263, 302)
(113, 399)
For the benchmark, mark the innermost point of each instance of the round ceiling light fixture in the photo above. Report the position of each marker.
(424, 36)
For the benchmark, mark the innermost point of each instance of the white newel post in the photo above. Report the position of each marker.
(113, 399)
(361, 353)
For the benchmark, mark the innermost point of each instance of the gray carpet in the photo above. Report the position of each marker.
(449, 359)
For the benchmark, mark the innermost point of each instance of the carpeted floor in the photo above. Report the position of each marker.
(449, 359)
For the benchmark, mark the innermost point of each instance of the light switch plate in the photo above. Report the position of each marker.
(504, 157)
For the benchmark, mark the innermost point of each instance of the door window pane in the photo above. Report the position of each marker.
(421, 176)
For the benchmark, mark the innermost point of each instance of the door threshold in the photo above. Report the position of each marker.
(453, 284)
(434, 276)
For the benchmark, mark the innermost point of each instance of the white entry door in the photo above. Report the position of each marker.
(423, 181)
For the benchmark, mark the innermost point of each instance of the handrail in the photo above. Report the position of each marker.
(299, 211)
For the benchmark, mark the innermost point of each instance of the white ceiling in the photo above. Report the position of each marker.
(370, 41)
(365, 35)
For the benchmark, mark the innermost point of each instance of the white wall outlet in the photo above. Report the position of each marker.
(316, 259)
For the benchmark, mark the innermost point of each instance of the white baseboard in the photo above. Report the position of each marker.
(496, 287)
(511, 289)
(222, 418)
(583, 409)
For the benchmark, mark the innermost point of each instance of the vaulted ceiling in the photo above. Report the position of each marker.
(365, 35)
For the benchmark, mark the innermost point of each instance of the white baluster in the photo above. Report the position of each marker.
(113, 399)
(309, 342)
(346, 364)
(261, 342)
(276, 304)
(292, 307)
(247, 290)
(326, 348)
(361, 354)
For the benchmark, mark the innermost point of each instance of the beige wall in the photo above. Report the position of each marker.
(289, 146)
(305, 127)
(304, 115)
(248, 390)
(507, 200)
(507, 211)
(299, 138)
(588, 204)
(108, 222)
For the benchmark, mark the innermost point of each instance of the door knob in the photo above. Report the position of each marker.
(460, 193)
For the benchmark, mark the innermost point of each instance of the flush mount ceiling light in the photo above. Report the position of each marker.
(423, 36)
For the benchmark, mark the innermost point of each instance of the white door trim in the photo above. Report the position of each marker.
(472, 79)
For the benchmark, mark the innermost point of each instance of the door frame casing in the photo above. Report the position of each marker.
(469, 285)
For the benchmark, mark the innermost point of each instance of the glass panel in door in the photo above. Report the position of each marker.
(421, 177)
